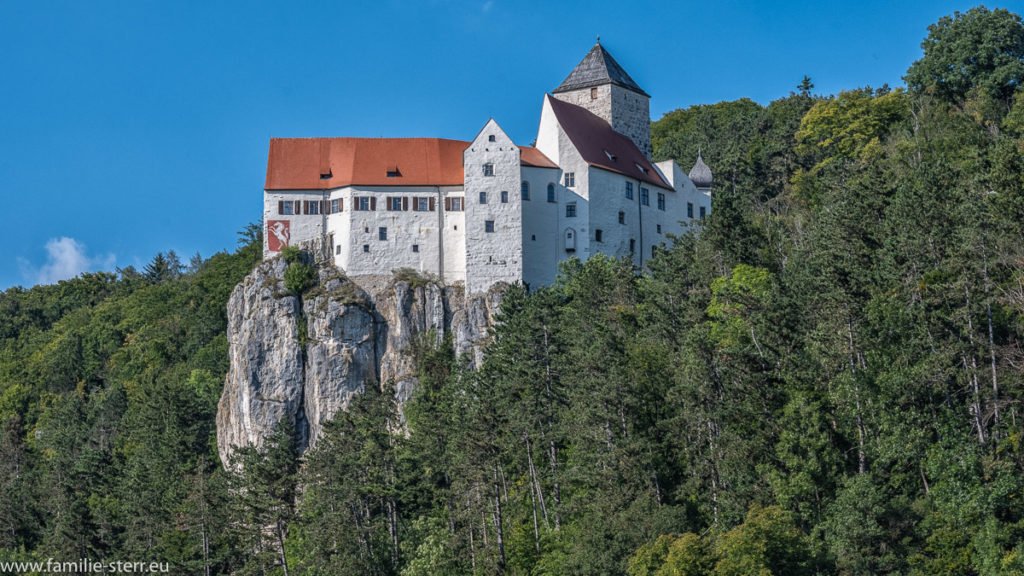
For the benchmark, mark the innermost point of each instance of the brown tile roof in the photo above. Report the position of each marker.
(603, 147)
(530, 156)
(316, 163)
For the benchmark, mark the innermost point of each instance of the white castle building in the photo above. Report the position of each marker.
(489, 210)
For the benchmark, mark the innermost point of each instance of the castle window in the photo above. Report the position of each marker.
(415, 247)
(453, 204)
(488, 225)
(366, 247)
(622, 217)
(504, 196)
(533, 237)
(570, 210)
(703, 212)
(488, 169)
(629, 190)
(286, 207)
(394, 203)
(382, 233)
(661, 201)
(335, 206)
(490, 138)
(525, 188)
(570, 240)
(659, 228)
(645, 197)
(483, 197)
(593, 93)
(598, 235)
(365, 203)
(312, 207)
(570, 179)
(689, 209)
(337, 250)
(422, 205)
(654, 251)
(632, 245)
(551, 192)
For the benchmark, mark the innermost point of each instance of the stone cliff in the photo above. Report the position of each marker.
(304, 358)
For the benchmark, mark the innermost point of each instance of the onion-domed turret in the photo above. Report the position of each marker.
(700, 174)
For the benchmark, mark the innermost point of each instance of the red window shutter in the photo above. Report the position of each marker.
(341, 204)
(432, 207)
(447, 204)
(280, 206)
(323, 208)
(373, 203)
(405, 203)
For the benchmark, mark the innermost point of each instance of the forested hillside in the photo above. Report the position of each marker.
(824, 378)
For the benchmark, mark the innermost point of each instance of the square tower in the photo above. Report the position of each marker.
(601, 86)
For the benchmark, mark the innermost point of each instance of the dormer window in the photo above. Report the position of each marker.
(325, 175)
(641, 169)
(610, 156)
(392, 171)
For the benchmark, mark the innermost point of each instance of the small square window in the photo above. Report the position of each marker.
(593, 93)
(394, 203)
(689, 209)
(422, 204)
(456, 204)
(504, 196)
(491, 138)
(312, 207)
(335, 206)
(337, 250)
(366, 247)
(483, 197)
(364, 203)
(598, 235)
(659, 228)
(366, 229)
(570, 179)
(654, 251)
(533, 237)
(632, 245)
(415, 247)
(488, 225)
(488, 169)
(622, 217)
(703, 212)
(382, 233)
(570, 210)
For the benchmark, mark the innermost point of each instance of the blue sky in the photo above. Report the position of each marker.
(135, 127)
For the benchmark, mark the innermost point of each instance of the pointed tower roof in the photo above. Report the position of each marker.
(700, 174)
(598, 68)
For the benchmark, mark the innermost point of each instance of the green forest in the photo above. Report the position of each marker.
(825, 377)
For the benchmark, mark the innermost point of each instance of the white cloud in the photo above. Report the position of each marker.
(65, 258)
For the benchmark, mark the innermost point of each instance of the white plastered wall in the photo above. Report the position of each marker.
(302, 227)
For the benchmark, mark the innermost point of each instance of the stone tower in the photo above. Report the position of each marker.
(601, 86)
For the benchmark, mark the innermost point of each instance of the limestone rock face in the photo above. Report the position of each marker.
(353, 338)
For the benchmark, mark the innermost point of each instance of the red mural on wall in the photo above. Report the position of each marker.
(278, 234)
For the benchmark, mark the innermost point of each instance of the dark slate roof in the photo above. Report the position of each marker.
(602, 147)
(598, 68)
(700, 174)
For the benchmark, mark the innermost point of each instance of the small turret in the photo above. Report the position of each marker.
(700, 174)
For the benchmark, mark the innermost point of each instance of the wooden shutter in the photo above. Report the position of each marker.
(432, 207)
(405, 203)
(341, 204)
(280, 206)
(323, 208)
(373, 203)
(447, 204)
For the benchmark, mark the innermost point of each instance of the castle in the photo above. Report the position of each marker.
(490, 211)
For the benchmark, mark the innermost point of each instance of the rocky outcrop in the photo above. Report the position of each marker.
(305, 358)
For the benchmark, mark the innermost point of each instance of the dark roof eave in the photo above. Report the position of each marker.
(594, 83)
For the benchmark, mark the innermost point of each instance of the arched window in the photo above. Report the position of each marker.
(551, 192)
(570, 240)
(526, 190)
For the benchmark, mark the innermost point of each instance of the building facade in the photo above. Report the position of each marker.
(488, 210)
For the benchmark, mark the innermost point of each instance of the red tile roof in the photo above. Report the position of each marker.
(603, 147)
(316, 163)
(530, 156)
